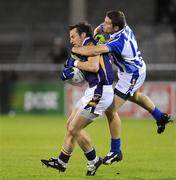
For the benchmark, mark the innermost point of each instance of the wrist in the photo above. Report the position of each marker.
(75, 63)
(73, 49)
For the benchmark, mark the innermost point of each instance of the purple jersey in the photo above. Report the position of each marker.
(105, 74)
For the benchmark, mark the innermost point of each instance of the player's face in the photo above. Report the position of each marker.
(108, 27)
(76, 39)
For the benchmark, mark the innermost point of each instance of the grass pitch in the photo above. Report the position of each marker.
(24, 140)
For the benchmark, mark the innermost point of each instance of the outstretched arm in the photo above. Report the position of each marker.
(91, 50)
(92, 65)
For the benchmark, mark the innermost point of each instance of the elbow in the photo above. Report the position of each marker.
(94, 69)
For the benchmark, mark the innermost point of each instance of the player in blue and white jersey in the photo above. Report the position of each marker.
(97, 98)
(131, 72)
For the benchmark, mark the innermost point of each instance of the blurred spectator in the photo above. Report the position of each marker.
(162, 11)
(166, 13)
(7, 79)
(172, 15)
(58, 51)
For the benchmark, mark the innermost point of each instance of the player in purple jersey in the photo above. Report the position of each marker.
(97, 98)
(131, 72)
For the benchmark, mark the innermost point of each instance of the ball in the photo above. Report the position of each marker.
(78, 77)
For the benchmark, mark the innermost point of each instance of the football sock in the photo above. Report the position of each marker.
(91, 154)
(64, 156)
(115, 145)
(157, 114)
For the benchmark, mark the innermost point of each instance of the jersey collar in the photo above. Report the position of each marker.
(86, 40)
(117, 33)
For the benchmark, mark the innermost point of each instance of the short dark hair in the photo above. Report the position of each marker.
(117, 17)
(82, 27)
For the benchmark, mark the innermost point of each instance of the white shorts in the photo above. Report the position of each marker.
(129, 83)
(96, 99)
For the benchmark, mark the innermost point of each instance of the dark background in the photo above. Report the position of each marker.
(36, 32)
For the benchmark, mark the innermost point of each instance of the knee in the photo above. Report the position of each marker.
(71, 130)
(136, 97)
(110, 115)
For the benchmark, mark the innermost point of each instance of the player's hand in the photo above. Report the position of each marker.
(70, 62)
(100, 38)
(66, 74)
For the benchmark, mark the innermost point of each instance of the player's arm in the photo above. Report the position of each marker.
(98, 30)
(92, 65)
(91, 50)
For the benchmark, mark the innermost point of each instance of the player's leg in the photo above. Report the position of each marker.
(144, 101)
(89, 102)
(101, 100)
(73, 130)
(114, 122)
(93, 162)
(113, 117)
(55, 162)
(130, 83)
(93, 104)
(122, 92)
(84, 141)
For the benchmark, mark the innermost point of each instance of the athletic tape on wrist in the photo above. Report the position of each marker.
(76, 63)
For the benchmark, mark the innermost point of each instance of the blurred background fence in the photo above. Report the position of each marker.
(34, 43)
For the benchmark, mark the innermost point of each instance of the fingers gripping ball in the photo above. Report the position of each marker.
(70, 62)
(67, 73)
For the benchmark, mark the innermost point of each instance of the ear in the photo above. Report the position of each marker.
(83, 35)
(116, 28)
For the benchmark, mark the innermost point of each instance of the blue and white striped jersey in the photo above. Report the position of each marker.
(125, 51)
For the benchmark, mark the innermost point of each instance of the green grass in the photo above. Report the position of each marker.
(24, 140)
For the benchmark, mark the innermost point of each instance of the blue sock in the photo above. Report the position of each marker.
(157, 114)
(115, 145)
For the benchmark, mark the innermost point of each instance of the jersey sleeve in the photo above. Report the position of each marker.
(116, 45)
(102, 27)
(86, 42)
(89, 41)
